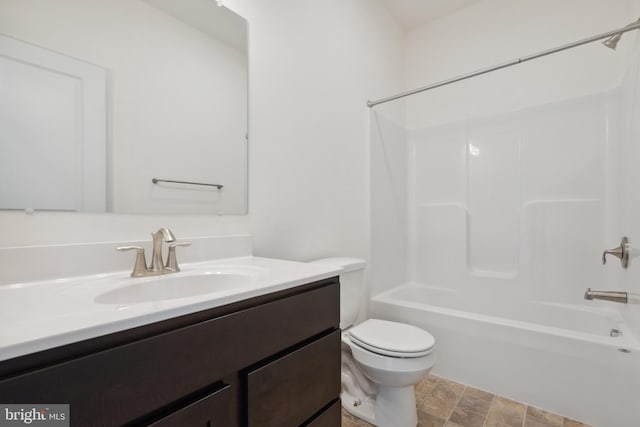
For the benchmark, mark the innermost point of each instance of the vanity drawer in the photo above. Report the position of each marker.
(213, 410)
(126, 383)
(286, 391)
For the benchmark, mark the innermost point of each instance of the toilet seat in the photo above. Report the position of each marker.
(392, 338)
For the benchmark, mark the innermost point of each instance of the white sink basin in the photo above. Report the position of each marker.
(160, 288)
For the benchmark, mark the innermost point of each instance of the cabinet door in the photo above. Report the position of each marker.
(330, 417)
(213, 410)
(291, 389)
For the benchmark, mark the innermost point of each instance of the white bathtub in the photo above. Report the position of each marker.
(557, 357)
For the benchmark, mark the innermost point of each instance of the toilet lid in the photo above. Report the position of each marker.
(392, 338)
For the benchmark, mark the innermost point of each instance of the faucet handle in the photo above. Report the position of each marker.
(172, 261)
(140, 267)
(621, 252)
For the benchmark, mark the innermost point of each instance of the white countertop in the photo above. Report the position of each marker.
(36, 316)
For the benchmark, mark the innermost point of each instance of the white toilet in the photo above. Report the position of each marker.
(381, 360)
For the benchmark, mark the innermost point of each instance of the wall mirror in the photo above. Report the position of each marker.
(100, 97)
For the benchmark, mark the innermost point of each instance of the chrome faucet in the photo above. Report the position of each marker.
(157, 266)
(613, 296)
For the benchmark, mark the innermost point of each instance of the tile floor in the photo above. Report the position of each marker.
(444, 403)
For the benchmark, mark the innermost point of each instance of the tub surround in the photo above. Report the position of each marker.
(502, 251)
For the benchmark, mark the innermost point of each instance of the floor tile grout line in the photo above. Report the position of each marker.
(493, 399)
(486, 417)
(459, 398)
(441, 379)
(456, 405)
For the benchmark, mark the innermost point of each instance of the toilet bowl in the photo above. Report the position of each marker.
(393, 356)
(381, 360)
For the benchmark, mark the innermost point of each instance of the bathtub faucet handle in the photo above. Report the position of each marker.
(621, 252)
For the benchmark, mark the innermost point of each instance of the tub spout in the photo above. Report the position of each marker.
(613, 296)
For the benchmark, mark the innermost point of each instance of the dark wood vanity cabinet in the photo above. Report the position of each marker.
(272, 360)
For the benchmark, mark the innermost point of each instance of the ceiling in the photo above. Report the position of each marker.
(411, 13)
(218, 22)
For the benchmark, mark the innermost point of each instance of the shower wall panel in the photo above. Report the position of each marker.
(513, 202)
(493, 198)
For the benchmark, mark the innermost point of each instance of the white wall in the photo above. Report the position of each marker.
(313, 65)
(178, 99)
(494, 31)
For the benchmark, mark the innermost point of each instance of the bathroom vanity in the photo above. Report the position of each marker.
(267, 360)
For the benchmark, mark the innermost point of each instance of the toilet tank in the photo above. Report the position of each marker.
(351, 287)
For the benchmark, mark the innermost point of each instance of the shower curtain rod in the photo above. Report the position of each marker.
(630, 27)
